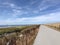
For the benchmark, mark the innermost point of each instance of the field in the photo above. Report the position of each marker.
(12, 29)
(54, 26)
(19, 35)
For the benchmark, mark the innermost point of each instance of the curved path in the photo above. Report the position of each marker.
(47, 36)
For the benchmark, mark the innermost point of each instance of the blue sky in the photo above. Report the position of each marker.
(29, 11)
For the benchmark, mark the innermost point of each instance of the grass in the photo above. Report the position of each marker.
(56, 27)
(13, 29)
(16, 29)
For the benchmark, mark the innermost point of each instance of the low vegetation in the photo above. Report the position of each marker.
(13, 34)
(13, 29)
(55, 26)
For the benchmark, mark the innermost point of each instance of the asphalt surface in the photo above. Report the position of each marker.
(47, 36)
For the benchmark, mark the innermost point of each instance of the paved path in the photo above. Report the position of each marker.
(47, 36)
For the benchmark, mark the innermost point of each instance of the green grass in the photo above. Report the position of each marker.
(14, 29)
(11, 29)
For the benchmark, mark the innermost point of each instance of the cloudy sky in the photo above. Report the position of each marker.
(29, 11)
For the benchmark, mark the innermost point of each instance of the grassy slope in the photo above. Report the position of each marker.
(13, 29)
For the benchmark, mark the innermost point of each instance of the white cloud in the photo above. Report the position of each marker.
(48, 18)
(8, 4)
(26, 12)
(12, 5)
(43, 8)
(36, 11)
(33, 2)
(16, 12)
(48, 3)
(12, 21)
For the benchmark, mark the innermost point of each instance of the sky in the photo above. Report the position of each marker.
(16, 12)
